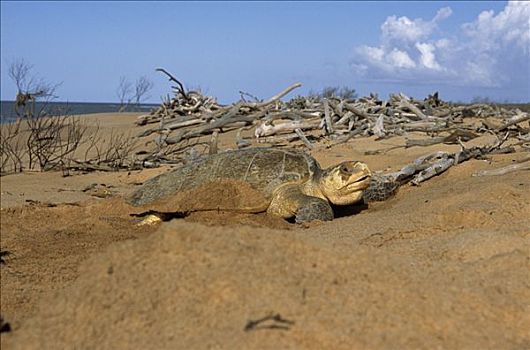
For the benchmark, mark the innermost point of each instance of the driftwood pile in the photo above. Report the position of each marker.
(182, 122)
(432, 164)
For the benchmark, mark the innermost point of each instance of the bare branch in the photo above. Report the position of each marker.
(142, 87)
(124, 93)
(180, 87)
(19, 71)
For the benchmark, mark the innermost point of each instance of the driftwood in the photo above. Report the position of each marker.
(433, 164)
(268, 129)
(272, 99)
(523, 164)
(504, 170)
(303, 138)
(184, 121)
(437, 168)
(455, 137)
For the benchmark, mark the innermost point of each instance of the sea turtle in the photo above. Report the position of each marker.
(291, 183)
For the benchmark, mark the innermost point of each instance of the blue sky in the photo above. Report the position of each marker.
(462, 49)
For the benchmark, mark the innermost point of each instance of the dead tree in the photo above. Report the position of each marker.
(180, 88)
(29, 87)
(12, 148)
(141, 89)
(53, 140)
(50, 138)
(124, 93)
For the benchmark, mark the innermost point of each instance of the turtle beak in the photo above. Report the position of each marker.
(364, 172)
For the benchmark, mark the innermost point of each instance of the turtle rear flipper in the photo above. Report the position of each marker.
(150, 219)
(153, 217)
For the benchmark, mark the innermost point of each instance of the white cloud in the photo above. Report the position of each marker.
(427, 58)
(400, 59)
(442, 14)
(374, 53)
(491, 51)
(404, 30)
(442, 43)
(510, 27)
(401, 40)
(386, 62)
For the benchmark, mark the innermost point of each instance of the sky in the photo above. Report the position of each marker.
(462, 49)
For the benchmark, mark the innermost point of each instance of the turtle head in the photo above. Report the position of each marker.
(344, 183)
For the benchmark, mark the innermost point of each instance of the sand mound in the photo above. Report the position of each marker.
(194, 286)
(442, 265)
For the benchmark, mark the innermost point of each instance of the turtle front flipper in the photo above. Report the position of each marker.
(381, 188)
(289, 201)
(313, 208)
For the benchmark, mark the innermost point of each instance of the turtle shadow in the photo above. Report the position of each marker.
(348, 210)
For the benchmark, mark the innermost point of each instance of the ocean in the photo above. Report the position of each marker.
(7, 113)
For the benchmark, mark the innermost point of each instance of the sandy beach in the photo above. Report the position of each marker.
(443, 265)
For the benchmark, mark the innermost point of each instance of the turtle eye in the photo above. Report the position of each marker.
(347, 167)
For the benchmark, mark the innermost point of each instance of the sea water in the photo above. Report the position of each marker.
(7, 112)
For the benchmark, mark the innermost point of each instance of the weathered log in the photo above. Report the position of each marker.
(279, 139)
(379, 127)
(328, 125)
(454, 137)
(304, 138)
(207, 129)
(273, 99)
(213, 143)
(171, 126)
(516, 120)
(437, 168)
(404, 102)
(268, 129)
(240, 142)
(358, 112)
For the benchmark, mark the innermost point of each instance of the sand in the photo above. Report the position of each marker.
(442, 265)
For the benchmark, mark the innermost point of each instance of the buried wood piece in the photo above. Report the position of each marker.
(455, 137)
(504, 170)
